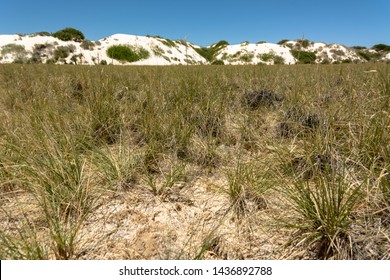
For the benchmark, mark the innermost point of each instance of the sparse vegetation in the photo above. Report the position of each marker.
(69, 34)
(381, 47)
(16, 49)
(87, 45)
(209, 53)
(245, 162)
(282, 42)
(303, 43)
(62, 52)
(304, 57)
(127, 53)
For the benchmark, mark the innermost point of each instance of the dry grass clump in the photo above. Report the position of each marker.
(295, 158)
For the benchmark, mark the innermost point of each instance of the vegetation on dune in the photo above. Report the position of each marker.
(381, 47)
(210, 52)
(304, 57)
(282, 42)
(69, 34)
(127, 53)
(16, 49)
(299, 157)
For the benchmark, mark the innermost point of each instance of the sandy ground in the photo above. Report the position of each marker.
(193, 220)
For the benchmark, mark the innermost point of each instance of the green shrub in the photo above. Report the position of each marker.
(282, 42)
(381, 47)
(358, 47)
(304, 57)
(87, 45)
(103, 62)
(247, 57)
(126, 53)
(166, 42)
(158, 51)
(266, 56)
(221, 44)
(337, 52)
(210, 52)
(13, 49)
(205, 53)
(368, 55)
(69, 34)
(63, 52)
(42, 33)
(278, 59)
(261, 42)
(304, 43)
(218, 62)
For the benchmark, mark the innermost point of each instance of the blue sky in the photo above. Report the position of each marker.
(205, 22)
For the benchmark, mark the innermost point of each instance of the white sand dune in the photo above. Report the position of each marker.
(167, 52)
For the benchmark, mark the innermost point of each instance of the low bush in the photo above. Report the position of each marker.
(278, 59)
(218, 62)
(282, 42)
(69, 34)
(126, 53)
(87, 45)
(304, 43)
(63, 52)
(210, 52)
(381, 47)
(304, 57)
(42, 33)
(13, 49)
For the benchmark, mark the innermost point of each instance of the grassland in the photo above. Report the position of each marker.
(200, 162)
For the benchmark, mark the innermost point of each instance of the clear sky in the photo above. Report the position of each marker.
(204, 22)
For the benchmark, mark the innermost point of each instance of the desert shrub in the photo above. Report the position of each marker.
(76, 57)
(381, 47)
(368, 55)
(87, 45)
(157, 51)
(205, 53)
(358, 47)
(337, 52)
(278, 59)
(282, 42)
(247, 57)
(221, 44)
(142, 53)
(20, 60)
(63, 52)
(304, 57)
(69, 34)
(13, 49)
(304, 43)
(209, 53)
(166, 42)
(126, 53)
(42, 33)
(266, 56)
(218, 62)
(261, 42)
(50, 61)
(39, 48)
